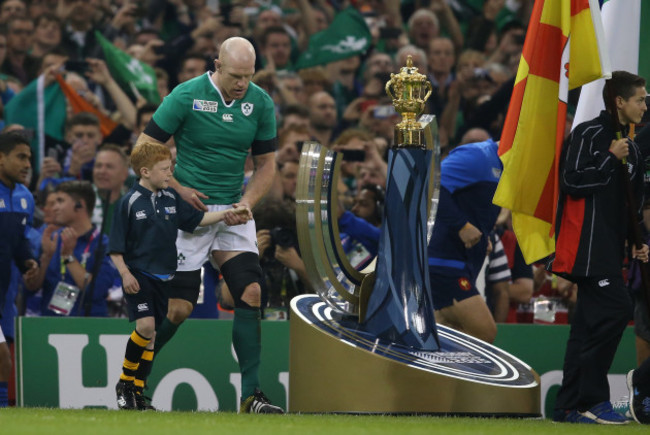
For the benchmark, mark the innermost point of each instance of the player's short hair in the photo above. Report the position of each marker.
(10, 140)
(79, 191)
(147, 154)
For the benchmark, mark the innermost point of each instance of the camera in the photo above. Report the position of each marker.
(353, 155)
(384, 111)
(390, 32)
(283, 237)
(77, 66)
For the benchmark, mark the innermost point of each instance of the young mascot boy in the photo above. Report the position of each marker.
(142, 246)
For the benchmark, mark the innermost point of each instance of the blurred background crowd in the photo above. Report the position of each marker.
(81, 80)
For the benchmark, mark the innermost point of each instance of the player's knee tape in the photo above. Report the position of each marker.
(239, 272)
(186, 286)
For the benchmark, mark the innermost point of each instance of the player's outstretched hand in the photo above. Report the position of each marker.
(237, 216)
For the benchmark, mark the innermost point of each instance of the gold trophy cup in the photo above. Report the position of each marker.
(409, 91)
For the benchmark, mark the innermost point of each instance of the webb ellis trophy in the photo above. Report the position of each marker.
(368, 341)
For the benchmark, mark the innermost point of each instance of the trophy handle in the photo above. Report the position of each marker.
(429, 89)
(388, 85)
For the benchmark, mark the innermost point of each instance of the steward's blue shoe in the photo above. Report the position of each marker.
(575, 417)
(604, 413)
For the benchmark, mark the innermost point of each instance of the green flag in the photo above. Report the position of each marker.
(129, 72)
(42, 109)
(347, 36)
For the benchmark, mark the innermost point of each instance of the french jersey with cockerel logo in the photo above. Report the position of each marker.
(468, 180)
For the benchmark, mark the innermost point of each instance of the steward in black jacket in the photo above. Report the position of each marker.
(592, 222)
(591, 228)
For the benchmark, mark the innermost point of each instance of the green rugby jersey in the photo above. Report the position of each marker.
(213, 138)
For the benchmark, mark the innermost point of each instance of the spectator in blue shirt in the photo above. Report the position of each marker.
(68, 250)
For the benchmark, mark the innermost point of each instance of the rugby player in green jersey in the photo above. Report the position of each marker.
(215, 120)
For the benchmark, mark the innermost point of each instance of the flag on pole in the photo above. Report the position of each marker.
(563, 50)
(40, 108)
(347, 36)
(129, 71)
(80, 104)
(626, 40)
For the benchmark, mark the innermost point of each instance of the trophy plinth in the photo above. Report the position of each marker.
(409, 91)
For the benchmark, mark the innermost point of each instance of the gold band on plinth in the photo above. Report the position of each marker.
(409, 138)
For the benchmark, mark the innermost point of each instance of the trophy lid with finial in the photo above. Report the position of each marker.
(409, 73)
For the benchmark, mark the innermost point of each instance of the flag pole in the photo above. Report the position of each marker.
(635, 236)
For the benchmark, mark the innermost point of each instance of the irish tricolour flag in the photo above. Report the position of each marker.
(628, 45)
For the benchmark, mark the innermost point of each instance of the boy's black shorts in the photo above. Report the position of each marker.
(150, 301)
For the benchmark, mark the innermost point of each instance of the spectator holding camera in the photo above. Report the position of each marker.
(284, 271)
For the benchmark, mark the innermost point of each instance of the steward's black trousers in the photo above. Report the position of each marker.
(603, 310)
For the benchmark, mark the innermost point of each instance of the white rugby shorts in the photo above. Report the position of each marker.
(2, 336)
(194, 249)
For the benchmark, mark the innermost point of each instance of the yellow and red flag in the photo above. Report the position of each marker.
(562, 51)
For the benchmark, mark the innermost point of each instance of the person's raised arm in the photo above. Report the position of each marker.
(447, 18)
(307, 21)
(99, 73)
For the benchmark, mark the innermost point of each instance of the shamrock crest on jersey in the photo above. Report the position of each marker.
(247, 108)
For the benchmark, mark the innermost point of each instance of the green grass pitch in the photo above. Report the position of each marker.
(18, 421)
